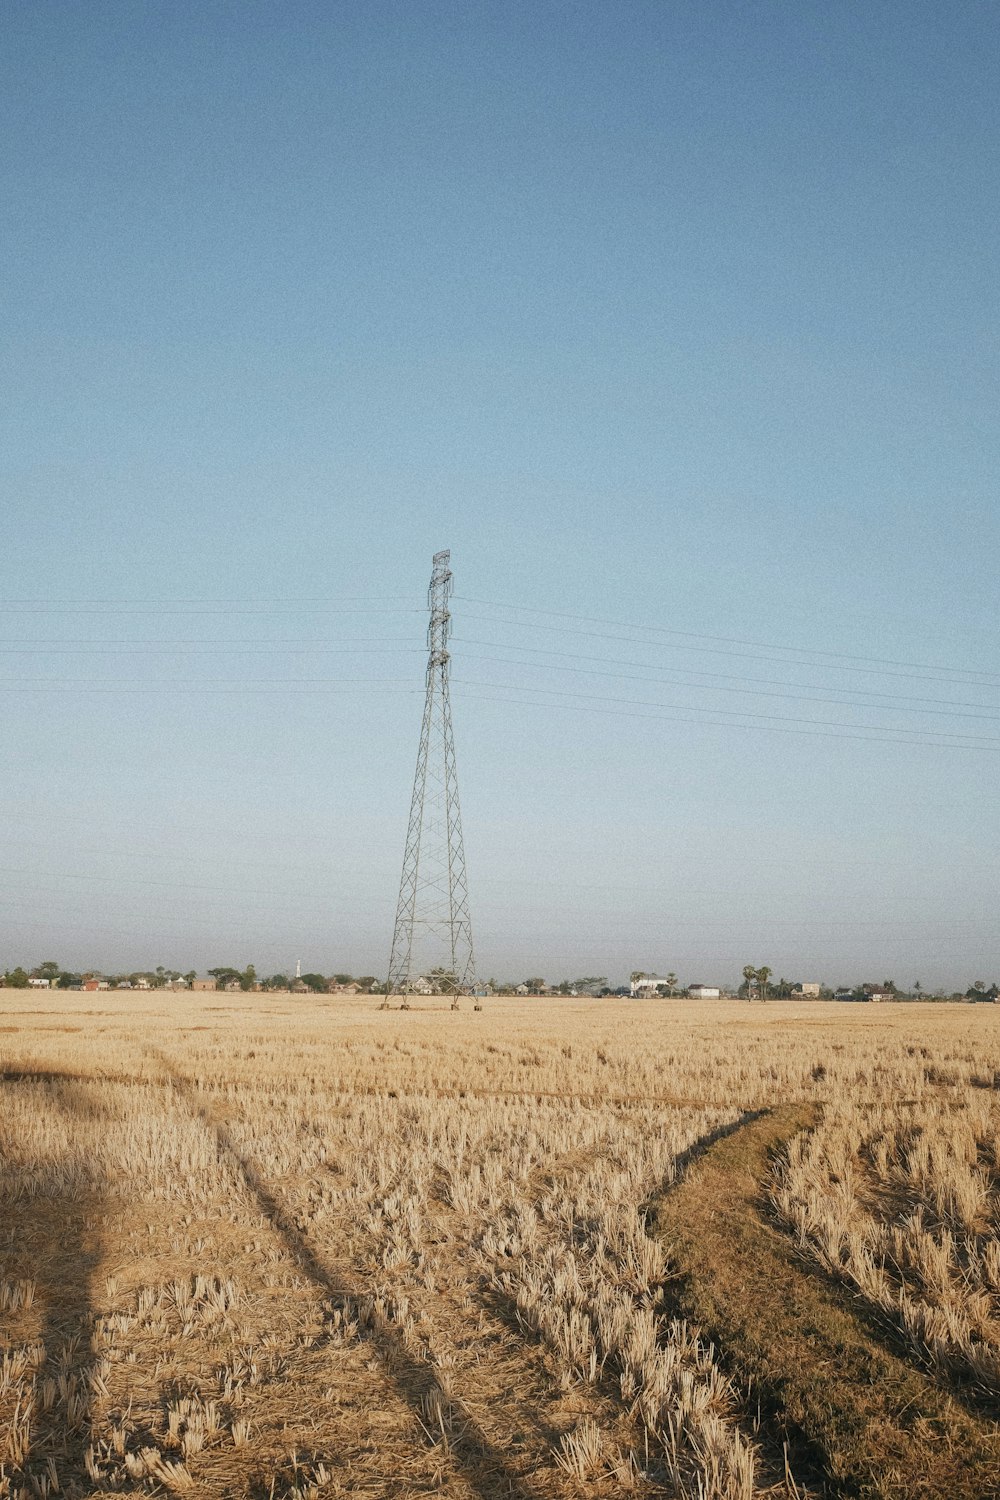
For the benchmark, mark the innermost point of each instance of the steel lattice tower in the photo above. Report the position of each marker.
(433, 927)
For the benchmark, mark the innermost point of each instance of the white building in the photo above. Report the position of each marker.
(704, 991)
(648, 986)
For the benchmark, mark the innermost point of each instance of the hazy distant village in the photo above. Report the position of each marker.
(758, 984)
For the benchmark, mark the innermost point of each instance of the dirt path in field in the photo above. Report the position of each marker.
(858, 1419)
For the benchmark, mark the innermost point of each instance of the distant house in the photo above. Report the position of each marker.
(807, 990)
(704, 991)
(297, 988)
(648, 986)
(333, 988)
(39, 984)
(96, 984)
(203, 984)
(845, 995)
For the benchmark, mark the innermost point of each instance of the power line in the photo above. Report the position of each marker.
(288, 687)
(376, 604)
(696, 716)
(715, 676)
(329, 687)
(728, 640)
(737, 712)
(130, 880)
(237, 648)
(949, 712)
(222, 611)
(234, 682)
(630, 640)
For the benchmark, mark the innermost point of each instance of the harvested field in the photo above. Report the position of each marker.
(554, 1248)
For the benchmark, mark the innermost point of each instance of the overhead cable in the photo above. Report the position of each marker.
(725, 639)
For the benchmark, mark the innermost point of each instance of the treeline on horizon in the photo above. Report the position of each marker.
(757, 984)
(160, 978)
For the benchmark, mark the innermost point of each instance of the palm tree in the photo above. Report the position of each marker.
(763, 975)
(750, 975)
(672, 982)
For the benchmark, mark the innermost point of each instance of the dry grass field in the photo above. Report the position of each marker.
(254, 1246)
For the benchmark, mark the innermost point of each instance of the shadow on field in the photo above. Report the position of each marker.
(483, 1466)
(50, 1239)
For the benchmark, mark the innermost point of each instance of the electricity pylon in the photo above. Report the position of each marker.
(433, 928)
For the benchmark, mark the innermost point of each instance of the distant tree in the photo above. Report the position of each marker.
(590, 981)
(917, 986)
(191, 975)
(664, 991)
(889, 985)
(534, 986)
(671, 983)
(49, 970)
(763, 975)
(224, 975)
(636, 975)
(248, 978)
(66, 979)
(749, 984)
(445, 981)
(17, 979)
(277, 982)
(344, 978)
(316, 982)
(366, 982)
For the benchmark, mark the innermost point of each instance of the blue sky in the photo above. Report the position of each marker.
(664, 318)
